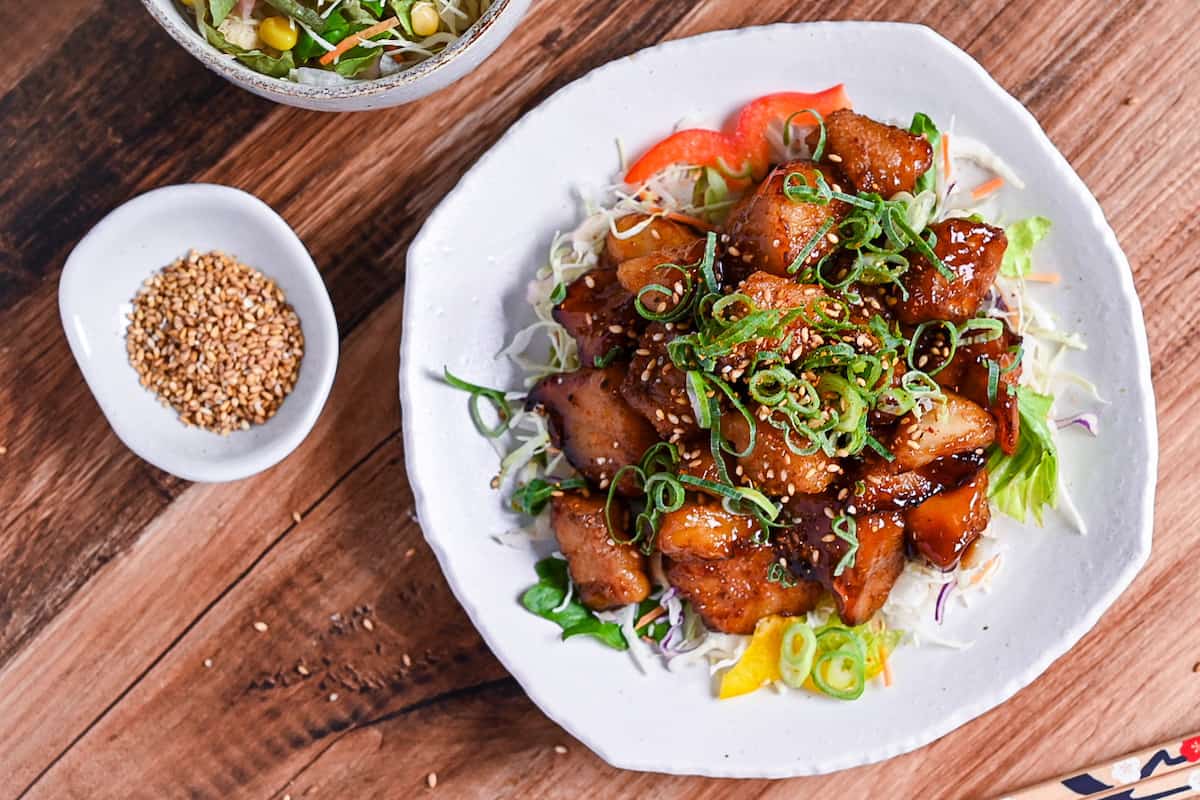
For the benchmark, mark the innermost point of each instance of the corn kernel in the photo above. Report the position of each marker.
(425, 19)
(278, 32)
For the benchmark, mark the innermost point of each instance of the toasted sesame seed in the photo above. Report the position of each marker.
(261, 627)
(216, 341)
(733, 251)
(333, 696)
(296, 517)
(303, 670)
(406, 659)
(558, 748)
(208, 662)
(829, 512)
(835, 158)
(616, 329)
(832, 237)
(368, 624)
(431, 780)
(829, 537)
(589, 281)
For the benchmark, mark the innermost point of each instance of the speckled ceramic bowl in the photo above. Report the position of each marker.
(419, 80)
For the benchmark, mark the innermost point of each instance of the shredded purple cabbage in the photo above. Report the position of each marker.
(1088, 421)
(939, 610)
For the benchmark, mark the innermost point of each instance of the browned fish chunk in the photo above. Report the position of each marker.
(667, 267)
(813, 552)
(593, 425)
(660, 234)
(767, 231)
(973, 252)
(883, 486)
(967, 374)
(656, 388)
(956, 426)
(704, 529)
(768, 291)
(771, 465)
(875, 157)
(697, 461)
(944, 526)
(599, 314)
(733, 594)
(607, 574)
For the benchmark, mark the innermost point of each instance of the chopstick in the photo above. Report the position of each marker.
(1165, 770)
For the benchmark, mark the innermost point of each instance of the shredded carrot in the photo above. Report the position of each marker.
(987, 187)
(988, 566)
(887, 666)
(946, 157)
(649, 617)
(1043, 277)
(353, 40)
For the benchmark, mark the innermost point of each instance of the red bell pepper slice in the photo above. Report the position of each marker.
(747, 148)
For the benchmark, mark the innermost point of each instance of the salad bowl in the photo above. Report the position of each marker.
(477, 257)
(413, 83)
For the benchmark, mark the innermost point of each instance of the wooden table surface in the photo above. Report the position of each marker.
(130, 664)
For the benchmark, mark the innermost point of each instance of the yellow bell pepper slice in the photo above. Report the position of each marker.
(759, 665)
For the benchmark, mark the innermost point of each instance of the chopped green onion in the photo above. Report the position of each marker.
(778, 573)
(797, 652)
(846, 529)
(533, 497)
(840, 674)
(613, 353)
(808, 248)
(494, 396)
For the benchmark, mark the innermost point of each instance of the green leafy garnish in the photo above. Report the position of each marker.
(300, 13)
(1027, 481)
(546, 596)
(403, 9)
(657, 628)
(533, 497)
(922, 125)
(1022, 236)
(357, 60)
(257, 60)
(220, 10)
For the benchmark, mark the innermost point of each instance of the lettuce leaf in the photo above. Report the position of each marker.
(1027, 481)
(257, 60)
(220, 10)
(1022, 236)
(922, 125)
(576, 619)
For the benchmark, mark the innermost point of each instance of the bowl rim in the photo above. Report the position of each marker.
(175, 24)
(985, 700)
(270, 452)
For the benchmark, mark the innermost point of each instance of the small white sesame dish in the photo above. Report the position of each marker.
(142, 238)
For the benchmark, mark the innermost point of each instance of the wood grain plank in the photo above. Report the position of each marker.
(376, 631)
(139, 603)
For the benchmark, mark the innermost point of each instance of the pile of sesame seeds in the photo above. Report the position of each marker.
(216, 340)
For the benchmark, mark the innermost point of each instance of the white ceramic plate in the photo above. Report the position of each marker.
(466, 277)
(107, 268)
